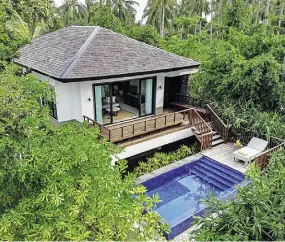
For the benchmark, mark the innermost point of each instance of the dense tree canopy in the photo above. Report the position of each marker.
(57, 183)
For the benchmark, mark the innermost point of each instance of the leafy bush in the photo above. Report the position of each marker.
(257, 214)
(57, 183)
(162, 159)
(248, 116)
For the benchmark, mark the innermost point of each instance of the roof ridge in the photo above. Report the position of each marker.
(79, 53)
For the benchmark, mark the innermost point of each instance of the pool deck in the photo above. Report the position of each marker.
(223, 153)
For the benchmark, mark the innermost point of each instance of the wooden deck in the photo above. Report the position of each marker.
(223, 153)
(128, 130)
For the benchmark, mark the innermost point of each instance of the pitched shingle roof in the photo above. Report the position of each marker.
(84, 53)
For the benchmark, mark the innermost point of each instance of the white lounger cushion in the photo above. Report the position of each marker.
(246, 153)
(258, 144)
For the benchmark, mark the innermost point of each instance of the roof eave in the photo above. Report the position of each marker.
(83, 79)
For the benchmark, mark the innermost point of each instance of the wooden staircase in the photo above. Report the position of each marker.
(217, 139)
(209, 129)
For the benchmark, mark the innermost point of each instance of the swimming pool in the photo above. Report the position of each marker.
(183, 189)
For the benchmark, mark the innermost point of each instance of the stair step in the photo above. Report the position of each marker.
(214, 176)
(225, 176)
(212, 163)
(216, 136)
(210, 180)
(217, 142)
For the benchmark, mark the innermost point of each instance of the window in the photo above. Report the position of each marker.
(52, 107)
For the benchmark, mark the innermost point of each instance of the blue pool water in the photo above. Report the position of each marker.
(181, 196)
(183, 189)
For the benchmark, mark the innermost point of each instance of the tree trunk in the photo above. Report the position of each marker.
(101, 3)
(108, 3)
(257, 12)
(219, 12)
(162, 22)
(281, 15)
(211, 30)
(267, 12)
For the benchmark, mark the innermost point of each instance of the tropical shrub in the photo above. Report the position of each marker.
(249, 116)
(257, 214)
(160, 159)
(57, 183)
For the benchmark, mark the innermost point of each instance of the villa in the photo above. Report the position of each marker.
(104, 75)
(125, 87)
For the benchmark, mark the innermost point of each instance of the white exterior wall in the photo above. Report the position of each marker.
(68, 99)
(86, 93)
(159, 92)
(75, 99)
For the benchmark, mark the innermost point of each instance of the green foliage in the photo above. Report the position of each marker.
(57, 183)
(34, 12)
(248, 116)
(105, 18)
(257, 213)
(160, 159)
(237, 14)
(8, 44)
(226, 75)
(146, 34)
(186, 25)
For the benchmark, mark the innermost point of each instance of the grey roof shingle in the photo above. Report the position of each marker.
(82, 53)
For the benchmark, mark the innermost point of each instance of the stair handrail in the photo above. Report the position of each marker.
(216, 115)
(202, 120)
(223, 131)
(206, 136)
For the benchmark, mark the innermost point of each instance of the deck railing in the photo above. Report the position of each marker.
(140, 127)
(219, 125)
(148, 125)
(195, 102)
(105, 132)
(262, 160)
(202, 129)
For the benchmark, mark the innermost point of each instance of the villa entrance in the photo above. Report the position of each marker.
(172, 85)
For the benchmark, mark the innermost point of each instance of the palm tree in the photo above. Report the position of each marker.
(219, 11)
(18, 27)
(280, 6)
(159, 13)
(71, 11)
(267, 11)
(212, 11)
(197, 7)
(124, 9)
(258, 8)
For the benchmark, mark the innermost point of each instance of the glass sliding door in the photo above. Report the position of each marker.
(103, 107)
(123, 101)
(146, 93)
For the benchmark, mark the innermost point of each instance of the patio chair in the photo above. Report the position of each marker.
(248, 153)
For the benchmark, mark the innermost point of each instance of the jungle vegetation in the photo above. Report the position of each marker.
(56, 183)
